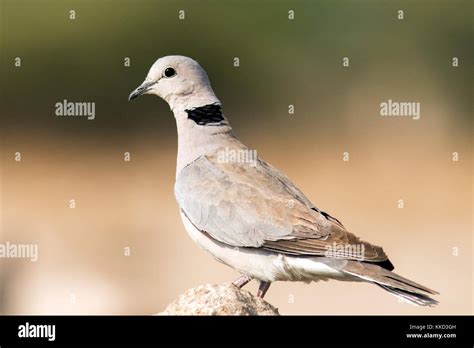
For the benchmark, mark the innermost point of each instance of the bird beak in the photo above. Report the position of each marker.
(142, 89)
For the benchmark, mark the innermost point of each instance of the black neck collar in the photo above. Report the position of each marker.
(207, 115)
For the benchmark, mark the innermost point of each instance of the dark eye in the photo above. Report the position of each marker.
(169, 72)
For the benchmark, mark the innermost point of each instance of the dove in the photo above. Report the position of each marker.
(249, 215)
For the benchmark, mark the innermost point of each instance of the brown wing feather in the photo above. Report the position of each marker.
(260, 207)
(343, 244)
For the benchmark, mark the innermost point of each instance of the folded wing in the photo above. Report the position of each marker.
(257, 206)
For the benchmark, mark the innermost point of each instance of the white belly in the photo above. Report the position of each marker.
(262, 264)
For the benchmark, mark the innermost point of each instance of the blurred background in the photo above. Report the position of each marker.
(84, 265)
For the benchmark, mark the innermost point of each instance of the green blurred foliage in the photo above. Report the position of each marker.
(282, 61)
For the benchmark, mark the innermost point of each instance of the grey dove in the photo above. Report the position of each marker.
(251, 217)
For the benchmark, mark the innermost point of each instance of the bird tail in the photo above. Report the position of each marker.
(395, 284)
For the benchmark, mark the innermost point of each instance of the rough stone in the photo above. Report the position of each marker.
(223, 299)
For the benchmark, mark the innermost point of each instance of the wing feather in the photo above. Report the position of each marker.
(257, 206)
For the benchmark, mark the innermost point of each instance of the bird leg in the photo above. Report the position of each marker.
(263, 288)
(242, 280)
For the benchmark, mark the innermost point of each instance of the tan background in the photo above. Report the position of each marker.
(82, 267)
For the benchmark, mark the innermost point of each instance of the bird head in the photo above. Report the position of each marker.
(178, 80)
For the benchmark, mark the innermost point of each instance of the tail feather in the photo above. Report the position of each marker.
(410, 297)
(395, 284)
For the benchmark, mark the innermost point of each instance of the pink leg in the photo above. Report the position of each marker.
(242, 280)
(263, 288)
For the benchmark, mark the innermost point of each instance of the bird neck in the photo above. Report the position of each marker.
(197, 96)
(197, 138)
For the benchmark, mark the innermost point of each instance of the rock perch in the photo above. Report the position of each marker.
(223, 299)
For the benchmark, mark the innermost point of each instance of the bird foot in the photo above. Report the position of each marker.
(263, 288)
(241, 281)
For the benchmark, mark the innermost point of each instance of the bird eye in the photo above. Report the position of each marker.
(169, 72)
